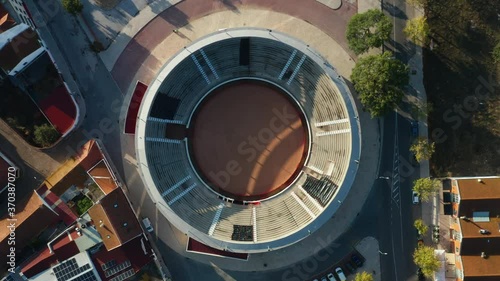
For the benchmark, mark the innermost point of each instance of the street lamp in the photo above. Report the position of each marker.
(382, 253)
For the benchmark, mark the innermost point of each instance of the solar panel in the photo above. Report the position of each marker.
(108, 265)
(118, 268)
(68, 269)
(88, 276)
(124, 275)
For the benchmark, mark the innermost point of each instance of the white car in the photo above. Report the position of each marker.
(340, 273)
(147, 225)
(331, 277)
(415, 198)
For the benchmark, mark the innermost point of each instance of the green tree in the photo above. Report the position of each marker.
(423, 149)
(426, 187)
(379, 80)
(425, 258)
(45, 135)
(496, 53)
(421, 226)
(417, 30)
(73, 7)
(363, 276)
(83, 205)
(368, 30)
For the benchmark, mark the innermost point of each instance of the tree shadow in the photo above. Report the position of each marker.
(174, 16)
(394, 10)
(231, 6)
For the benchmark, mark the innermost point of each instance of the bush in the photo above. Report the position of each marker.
(73, 7)
(45, 135)
(496, 53)
(83, 205)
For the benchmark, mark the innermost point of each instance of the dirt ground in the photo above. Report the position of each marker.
(463, 85)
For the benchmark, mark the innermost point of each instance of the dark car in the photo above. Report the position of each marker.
(414, 129)
(350, 267)
(420, 274)
(357, 260)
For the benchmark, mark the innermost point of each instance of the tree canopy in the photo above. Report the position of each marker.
(417, 30)
(45, 135)
(425, 258)
(421, 226)
(422, 149)
(379, 80)
(73, 7)
(426, 187)
(363, 276)
(368, 30)
(496, 53)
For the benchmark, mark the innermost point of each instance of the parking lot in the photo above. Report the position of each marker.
(348, 264)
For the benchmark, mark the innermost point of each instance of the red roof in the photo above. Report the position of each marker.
(63, 249)
(132, 251)
(90, 155)
(59, 109)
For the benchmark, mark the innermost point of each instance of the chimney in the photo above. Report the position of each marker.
(483, 255)
(479, 180)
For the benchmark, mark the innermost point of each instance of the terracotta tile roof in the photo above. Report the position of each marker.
(6, 21)
(470, 229)
(63, 248)
(488, 188)
(32, 218)
(132, 251)
(90, 155)
(468, 206)
(480, 268)
(18, 46)
(115, 220)
(102, 177)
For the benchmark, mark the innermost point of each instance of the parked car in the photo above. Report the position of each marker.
(415, 197)
(350, 267)
(331, 277)
(147, 224)
(340, 274)
(357, 260)
(414, 129)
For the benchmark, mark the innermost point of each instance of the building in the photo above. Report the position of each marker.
(475, 228)
(6, 20)
(22, 12)
(115, 220)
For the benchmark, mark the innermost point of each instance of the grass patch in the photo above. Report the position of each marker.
(83, 204)
(461, 79)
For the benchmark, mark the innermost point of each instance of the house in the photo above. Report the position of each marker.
(85, 251)
(475, 227)
(33, 215)
(22, 12)
(115, 220)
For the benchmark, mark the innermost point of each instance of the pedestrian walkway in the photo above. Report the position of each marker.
(321, 27)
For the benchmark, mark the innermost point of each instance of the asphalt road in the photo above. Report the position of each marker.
(387, 215)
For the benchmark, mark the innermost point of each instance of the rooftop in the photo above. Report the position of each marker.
(487, 188)
(470, 229)
(32, 218)
(15, 44)
(6, 20)
(115, 220)
(477, 268)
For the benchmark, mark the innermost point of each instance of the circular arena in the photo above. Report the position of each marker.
(248, 140)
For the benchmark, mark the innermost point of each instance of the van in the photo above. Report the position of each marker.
(147, 224)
